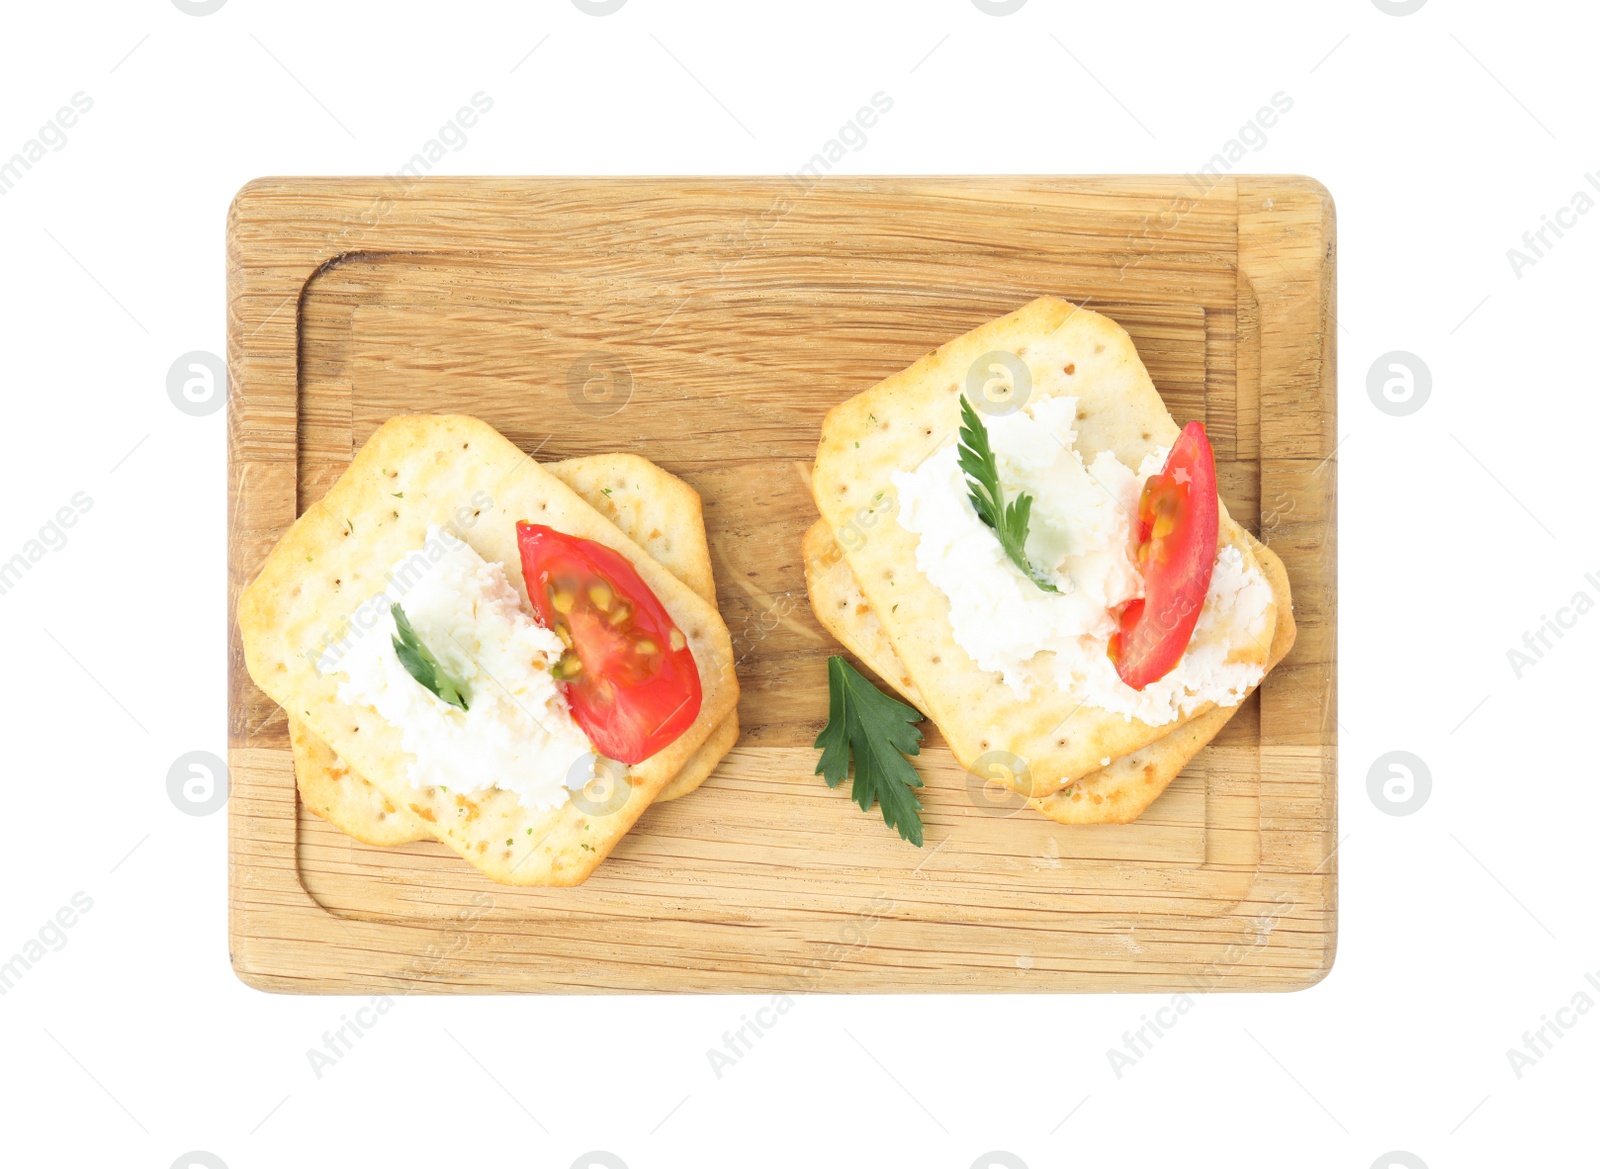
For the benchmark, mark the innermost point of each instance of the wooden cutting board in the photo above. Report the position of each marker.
(708, 324)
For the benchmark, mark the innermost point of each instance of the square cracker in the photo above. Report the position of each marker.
(899, 422)
(1115, 794)
(416, 471)
(656, 510)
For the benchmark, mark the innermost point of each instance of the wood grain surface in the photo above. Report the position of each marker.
(708, 324)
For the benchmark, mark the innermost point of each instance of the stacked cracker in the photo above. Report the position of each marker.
(460, 473)
(867, 591)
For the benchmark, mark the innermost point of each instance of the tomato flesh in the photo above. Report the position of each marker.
(1178, 519)
(628, 673)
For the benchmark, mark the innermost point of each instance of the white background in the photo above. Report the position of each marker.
(1443, 135)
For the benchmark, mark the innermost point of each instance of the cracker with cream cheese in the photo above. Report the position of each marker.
(415, 472)
(1117, 793)
(659, 512)
(901, 421)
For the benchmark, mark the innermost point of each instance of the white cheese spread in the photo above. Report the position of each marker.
(517, 732)
(1082, 534)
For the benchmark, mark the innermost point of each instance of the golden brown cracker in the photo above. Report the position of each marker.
(423, 470)
(899, 422)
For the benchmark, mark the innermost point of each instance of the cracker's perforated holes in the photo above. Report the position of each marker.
(1099, 347)
(1145, 436)
(1071, 369)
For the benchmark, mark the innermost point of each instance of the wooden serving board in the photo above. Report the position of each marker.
(708, 324)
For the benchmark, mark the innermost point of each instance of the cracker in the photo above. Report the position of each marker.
(903, 419)
(1118, 793)
(414, 472)
(658, 511)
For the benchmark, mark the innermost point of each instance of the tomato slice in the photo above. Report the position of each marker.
(1178, 520)
(627, 672)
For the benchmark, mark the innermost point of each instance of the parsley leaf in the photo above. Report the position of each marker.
(422, 665)
(1009, 521)
(879, 732)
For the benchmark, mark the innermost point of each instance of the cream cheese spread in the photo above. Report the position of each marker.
(517, 733)
(1082, 534)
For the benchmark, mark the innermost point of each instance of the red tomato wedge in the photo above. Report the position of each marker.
(627, 672)
(1178, 520)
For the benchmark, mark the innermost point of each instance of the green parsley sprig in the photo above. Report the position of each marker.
(879, 732)
(1009, 520)
(420, 663)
